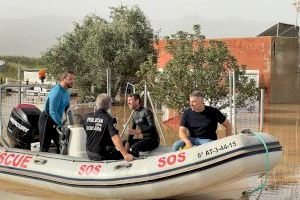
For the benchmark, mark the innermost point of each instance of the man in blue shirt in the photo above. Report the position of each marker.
(56, 104)
(199, 123)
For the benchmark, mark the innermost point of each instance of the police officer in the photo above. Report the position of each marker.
(102, 137)
(142, 123)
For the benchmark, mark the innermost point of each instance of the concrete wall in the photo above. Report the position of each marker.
(255, 53)
(285, 81)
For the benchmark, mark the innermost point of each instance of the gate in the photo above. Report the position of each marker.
(249, 117)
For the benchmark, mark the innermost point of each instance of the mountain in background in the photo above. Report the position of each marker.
(32, 36)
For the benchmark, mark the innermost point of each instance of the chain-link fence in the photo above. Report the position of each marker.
(249, 116)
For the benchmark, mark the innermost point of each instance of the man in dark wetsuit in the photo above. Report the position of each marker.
(142, 123)
(56, 104)
(199, 123)
(102, 139)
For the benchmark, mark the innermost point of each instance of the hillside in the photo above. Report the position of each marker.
(10, 69)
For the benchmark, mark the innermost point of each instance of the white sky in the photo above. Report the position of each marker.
(252, 10)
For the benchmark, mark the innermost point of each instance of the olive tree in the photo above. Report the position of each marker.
(121, 43)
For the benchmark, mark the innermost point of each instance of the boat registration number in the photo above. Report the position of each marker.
(14, 160)
(217, 149)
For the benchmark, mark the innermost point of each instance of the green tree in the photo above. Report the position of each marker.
(121, 44)
(197, 64)
(70, 53)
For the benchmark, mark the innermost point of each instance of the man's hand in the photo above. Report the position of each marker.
(117, 142)
(188, 144)
(183, 134)
(228, 127)
(128, 157)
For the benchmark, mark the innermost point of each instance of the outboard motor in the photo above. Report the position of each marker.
(22, 127)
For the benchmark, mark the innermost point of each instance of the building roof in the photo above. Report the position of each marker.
(282, 30)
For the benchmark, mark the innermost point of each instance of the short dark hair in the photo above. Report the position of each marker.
(136, 97)
(63, 75)
(197, 94)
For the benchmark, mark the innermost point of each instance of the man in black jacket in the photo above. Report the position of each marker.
(103, 141)
(142, 125)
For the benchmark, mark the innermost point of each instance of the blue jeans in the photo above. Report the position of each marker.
(194, 141)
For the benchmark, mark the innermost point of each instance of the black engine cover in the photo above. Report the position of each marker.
(22, 126)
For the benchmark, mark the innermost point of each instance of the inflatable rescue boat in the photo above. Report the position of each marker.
(202, 171)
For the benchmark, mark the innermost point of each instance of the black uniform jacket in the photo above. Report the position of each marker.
(99, 127)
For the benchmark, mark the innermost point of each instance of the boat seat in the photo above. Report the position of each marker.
(77, 142)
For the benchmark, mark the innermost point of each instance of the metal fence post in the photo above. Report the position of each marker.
(262, 110)
(145, 96)
(108, 81)
(108, 84)
(234, 102)
(19, 89)
(230, 96)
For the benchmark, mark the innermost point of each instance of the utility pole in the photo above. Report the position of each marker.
(297, 8)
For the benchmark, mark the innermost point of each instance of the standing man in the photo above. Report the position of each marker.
(56, 104)
(142, 124)
(102, 139)
(199, 123)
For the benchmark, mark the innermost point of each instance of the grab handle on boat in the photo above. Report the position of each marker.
(40, 161)
(122, 166)
(246, 131)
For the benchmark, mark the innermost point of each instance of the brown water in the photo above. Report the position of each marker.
(282, 121)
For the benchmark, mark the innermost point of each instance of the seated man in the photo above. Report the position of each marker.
(102, 136)
(142, 123)
(199, 123)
